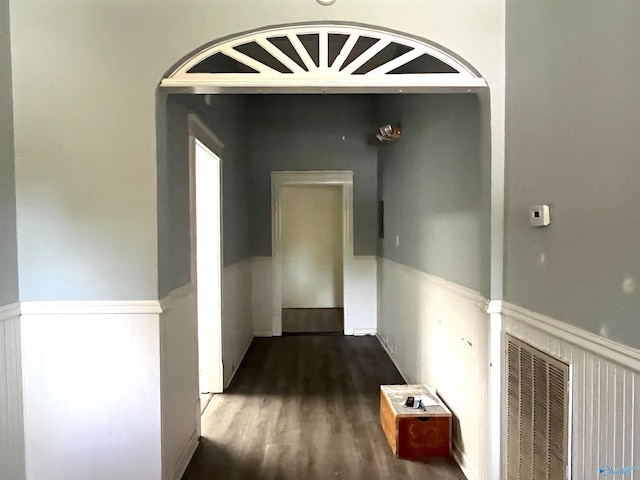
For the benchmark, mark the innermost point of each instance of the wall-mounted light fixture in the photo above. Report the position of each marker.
(388, 133)
(326, 2)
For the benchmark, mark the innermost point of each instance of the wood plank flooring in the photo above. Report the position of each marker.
(306, 408)
(312, 320)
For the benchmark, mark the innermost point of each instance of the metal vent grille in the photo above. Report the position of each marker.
(537, 414)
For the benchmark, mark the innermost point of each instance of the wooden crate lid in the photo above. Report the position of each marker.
(397, 395)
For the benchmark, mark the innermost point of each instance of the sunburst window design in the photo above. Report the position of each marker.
(323, 56)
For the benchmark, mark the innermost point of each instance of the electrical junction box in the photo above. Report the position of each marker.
(539, 216)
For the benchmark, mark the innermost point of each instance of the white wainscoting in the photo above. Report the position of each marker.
(262, 296)
(12, 466)
(604, 394)
(437, 333)
(179, 380)
(361, 311)
(237, 328)
(91, 389)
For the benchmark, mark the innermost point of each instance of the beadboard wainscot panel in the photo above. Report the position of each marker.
(605, 386)
(12, 466)
(179, 380)
(237, 326)
(261, 296)
(361, 311)
(91, 389)
(437, 333)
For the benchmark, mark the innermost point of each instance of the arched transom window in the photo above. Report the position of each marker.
(326, 56)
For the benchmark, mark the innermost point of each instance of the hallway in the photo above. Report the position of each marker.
(306, 407)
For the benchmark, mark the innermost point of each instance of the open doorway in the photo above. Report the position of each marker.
(312, 245)
(312, 263)
(314, 66)
(206, 256)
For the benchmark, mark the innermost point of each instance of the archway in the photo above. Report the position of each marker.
(322, 58)
(326, 58)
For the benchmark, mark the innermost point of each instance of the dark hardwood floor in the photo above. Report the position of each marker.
(312, 320)
(306, 408)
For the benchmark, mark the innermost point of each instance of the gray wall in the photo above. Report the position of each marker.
(313, 132)
(226, 119)
(573, 117)
(86, 189)
(431, 185)
(8, 242)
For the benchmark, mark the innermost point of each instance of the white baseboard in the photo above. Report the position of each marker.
(463, 462)
(186, 457)
(358, 332)
(232, 373)
(403, 371)
(263, 333)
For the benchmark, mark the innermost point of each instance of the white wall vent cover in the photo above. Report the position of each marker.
(537, 414)
(325, 56)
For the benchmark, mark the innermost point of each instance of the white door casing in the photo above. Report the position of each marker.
(206, 250)
(281, 180)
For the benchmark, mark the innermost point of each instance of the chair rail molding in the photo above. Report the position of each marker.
(601, 346)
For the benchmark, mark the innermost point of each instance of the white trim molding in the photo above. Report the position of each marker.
(91, 307)
(185, 457)
(199, 132)
(10, 311)
(306, 58)
(210, 344)
(279, 180)
(601, 346)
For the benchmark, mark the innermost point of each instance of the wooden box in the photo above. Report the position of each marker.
(414, 434)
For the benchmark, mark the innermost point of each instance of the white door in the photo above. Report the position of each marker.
(208, 268)
(312, 264)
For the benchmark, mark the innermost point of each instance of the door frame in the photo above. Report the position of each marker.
(281, 179)
(198, 131)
